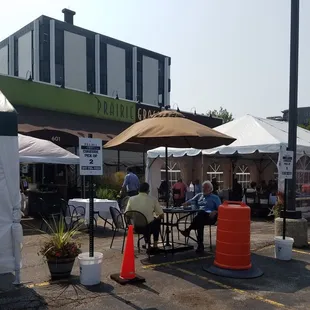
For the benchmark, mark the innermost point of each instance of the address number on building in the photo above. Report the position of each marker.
(90, 156)
(55, 139)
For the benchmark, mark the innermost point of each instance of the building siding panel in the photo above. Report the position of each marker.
(116, 71)
(25, 55)
(75, 61)
(4, 60)
(150, 80)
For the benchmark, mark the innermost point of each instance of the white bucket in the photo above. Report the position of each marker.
(283, 248)
(90, 268)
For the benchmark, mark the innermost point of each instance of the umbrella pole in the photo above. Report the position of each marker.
(167, 199)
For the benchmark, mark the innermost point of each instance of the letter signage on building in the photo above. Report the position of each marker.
(145, 111)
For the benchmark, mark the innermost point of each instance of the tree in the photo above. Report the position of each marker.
(305, 126)
(221, 113)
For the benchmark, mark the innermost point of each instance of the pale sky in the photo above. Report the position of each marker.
(230, 53)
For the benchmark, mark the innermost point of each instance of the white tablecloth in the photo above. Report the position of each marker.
(100, 205)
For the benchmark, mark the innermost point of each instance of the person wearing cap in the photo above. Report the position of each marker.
(208, 204)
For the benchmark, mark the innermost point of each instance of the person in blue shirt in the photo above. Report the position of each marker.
(131, 183)
(208, 204)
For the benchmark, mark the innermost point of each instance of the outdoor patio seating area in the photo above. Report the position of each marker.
(179, 277)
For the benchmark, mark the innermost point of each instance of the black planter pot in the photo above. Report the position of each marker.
(60, 268)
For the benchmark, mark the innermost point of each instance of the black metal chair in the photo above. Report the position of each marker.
(162, 195)
(251, 201)
(141, 227)
(118, 224)
(71, 214)
(49, 214)
(140, 224)
(263, 200)
(190, 217)
(123, 203)
(176, 201)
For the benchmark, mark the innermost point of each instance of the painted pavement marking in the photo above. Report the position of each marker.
(176, 262)
(233, 289)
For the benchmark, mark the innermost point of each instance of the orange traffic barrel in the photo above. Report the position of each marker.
(233, 242)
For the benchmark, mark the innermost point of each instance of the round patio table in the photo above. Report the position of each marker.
(170, 223)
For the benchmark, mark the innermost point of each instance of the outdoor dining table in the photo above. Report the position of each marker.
(173, 218)
(101, 208)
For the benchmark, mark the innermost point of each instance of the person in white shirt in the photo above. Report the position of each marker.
(150, 208)
(251, 190)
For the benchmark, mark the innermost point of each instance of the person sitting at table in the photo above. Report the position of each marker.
(151, 209)
(179, 191)
(252, 190)
(215, 186)
(163, 190)
(131, 183)
(208, 204)
(197, 187)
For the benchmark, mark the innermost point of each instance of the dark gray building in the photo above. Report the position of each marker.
(303, 115)
(58, 52)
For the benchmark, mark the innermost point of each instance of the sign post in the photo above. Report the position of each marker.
(90, 164)
(285, 172)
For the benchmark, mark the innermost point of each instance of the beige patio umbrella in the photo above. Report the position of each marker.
(170, 129)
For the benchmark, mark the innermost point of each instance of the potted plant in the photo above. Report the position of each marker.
(60, 249)
(278, 207)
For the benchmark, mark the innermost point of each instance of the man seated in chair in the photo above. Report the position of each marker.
(208, 204)
(151, 209)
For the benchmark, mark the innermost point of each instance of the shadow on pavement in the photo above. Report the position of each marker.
(279, 276)
(129, 303)
(172, 258)
(18, 297)
(62, 290)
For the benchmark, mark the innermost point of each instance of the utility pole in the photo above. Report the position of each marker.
(293, 99)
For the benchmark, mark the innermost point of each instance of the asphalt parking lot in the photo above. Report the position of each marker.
(173, 282)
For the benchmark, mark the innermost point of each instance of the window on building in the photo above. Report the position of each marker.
(161, 80)
(90, 63)
(16, 57)
(215, 171)
(243, 175)
(129, 76)
(302, 172)
(139, 77)
(59, 57)
(174, 172)
(103, 69)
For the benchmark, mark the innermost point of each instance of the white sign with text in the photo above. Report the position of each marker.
(90, 152)
(285, 164)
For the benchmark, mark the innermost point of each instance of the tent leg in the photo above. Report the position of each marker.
(143, 160)
(202, 168)
(166, 172)
(17, 277)
(118, 160)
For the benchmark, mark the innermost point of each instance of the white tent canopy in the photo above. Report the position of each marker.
(33, 150)
(11, 232)
(175, 152)
(253, 135)
(255, 138)
(259, 135)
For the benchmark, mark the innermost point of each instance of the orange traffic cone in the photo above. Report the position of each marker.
(128, 273)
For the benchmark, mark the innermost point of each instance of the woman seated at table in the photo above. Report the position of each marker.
(151, 209)
(208, 204)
